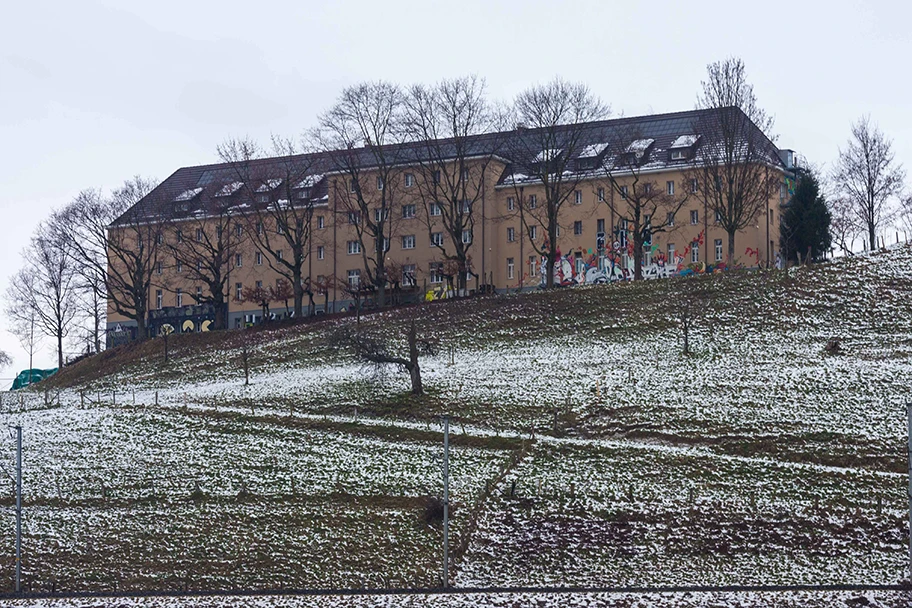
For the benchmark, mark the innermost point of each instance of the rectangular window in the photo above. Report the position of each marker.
(511, 268)
(623, 191)
(179, 297)
(199, 235)
(771, 217)
(262, 198)
(321, 222)
(601, 195)
(321, 252)
(467, 206)
(436, 272)
(647, 188)
(695, 253)
(578, 197)
(238, 230)
(693, 185)
(408, 211)
(533, 233)
(353, 186)
(408, 241)
(159, 238)
(386, 244)
(435, 210)
(199, 295)
(678, 154)
(436, 177)
(354, 278)
(600, 226)
(180, 236)
(354, 247)
(532, 266)
(279, 255)
(669, 188)
(577, 228)
(199, 265)
(280, 228)
(238, 291)
(718, 217)
(158, 299)
(533, 201)
(718, 244)
(408, 274)
(437, 239)
(670, 219)
(259, 228)
(511, 235)
(465, 175)
(466, 237)
(354, 217)
(259, 258)
(409, 180)
(179, 266)
(694, 217)
(380, 215)
(511, 203)
(671, 253)
(238, 260)
(159, 267)
(259, 285)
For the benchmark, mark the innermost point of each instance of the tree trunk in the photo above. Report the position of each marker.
(872, 239)
(298, 294)
(141, 329)
(221, 322)
(637, 258)
(731, 247)
(415, 373)
(59, 350)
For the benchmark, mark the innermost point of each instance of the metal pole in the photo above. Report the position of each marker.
(446, 500)
(18, 508)
(909, 432)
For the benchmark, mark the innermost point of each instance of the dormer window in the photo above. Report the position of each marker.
(639, 149)
(269, 185)
(682, 148)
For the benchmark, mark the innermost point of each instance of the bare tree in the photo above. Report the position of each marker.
(5, 360)
(206, 249)
(844, 225)
(452, 165)
(357, 136)
(551, 128)
(23, 319)
(44, 291)
(689, 308)
(132, 245)
(91, 288)
(643, 207)
(735, 164)
(281, 194)
(869, 177)
(379, 352)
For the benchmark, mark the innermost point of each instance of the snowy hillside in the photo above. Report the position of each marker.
(759, 458)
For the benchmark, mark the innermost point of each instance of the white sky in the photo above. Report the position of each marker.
(92, 93)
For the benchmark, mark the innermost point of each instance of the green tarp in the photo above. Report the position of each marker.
(31, 376)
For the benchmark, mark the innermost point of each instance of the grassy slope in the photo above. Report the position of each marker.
(757, 459)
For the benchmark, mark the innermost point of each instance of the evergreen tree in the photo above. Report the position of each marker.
(806, 221)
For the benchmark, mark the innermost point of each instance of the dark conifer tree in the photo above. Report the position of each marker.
(806, 222)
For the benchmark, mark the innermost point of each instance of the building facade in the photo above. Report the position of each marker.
(478, 220)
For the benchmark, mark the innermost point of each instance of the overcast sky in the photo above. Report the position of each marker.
(92, 93)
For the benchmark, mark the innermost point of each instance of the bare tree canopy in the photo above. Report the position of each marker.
(551, 127)
(868, 177)
(355, 135)
(5, 360)
(44, 291)
(736, 165)
(452, 168)
(641, 206)
(279, 194)
(131, 247)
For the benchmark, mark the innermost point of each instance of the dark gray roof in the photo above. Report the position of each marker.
(192, 190)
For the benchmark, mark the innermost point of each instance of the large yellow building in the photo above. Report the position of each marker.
(251, 223)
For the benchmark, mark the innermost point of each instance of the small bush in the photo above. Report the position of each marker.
(433, 511)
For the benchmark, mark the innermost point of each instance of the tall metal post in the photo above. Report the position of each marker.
(18, 508)
(446, 501)
(909, 430)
